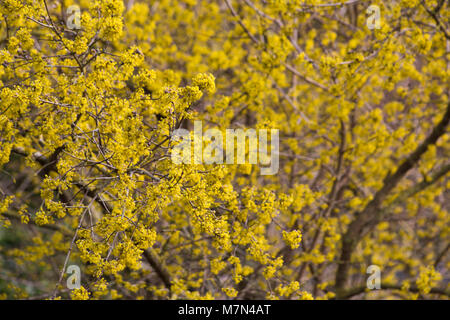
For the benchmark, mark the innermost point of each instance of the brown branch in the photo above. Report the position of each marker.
(49, 163)
(425, 183)
(434, 15)
(239, 20)
(441, 255)
(160, 270)
(59, 228)
(338, 4)
(389, 286)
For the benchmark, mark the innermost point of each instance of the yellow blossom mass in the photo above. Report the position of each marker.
(91, 93)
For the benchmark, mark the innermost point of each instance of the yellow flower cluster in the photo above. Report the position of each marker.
(87, 123)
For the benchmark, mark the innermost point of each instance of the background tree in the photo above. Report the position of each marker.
(86, 115)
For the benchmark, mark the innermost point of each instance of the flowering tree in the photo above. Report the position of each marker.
(91, 93)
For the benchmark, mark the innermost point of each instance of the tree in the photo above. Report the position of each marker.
(91, 93)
